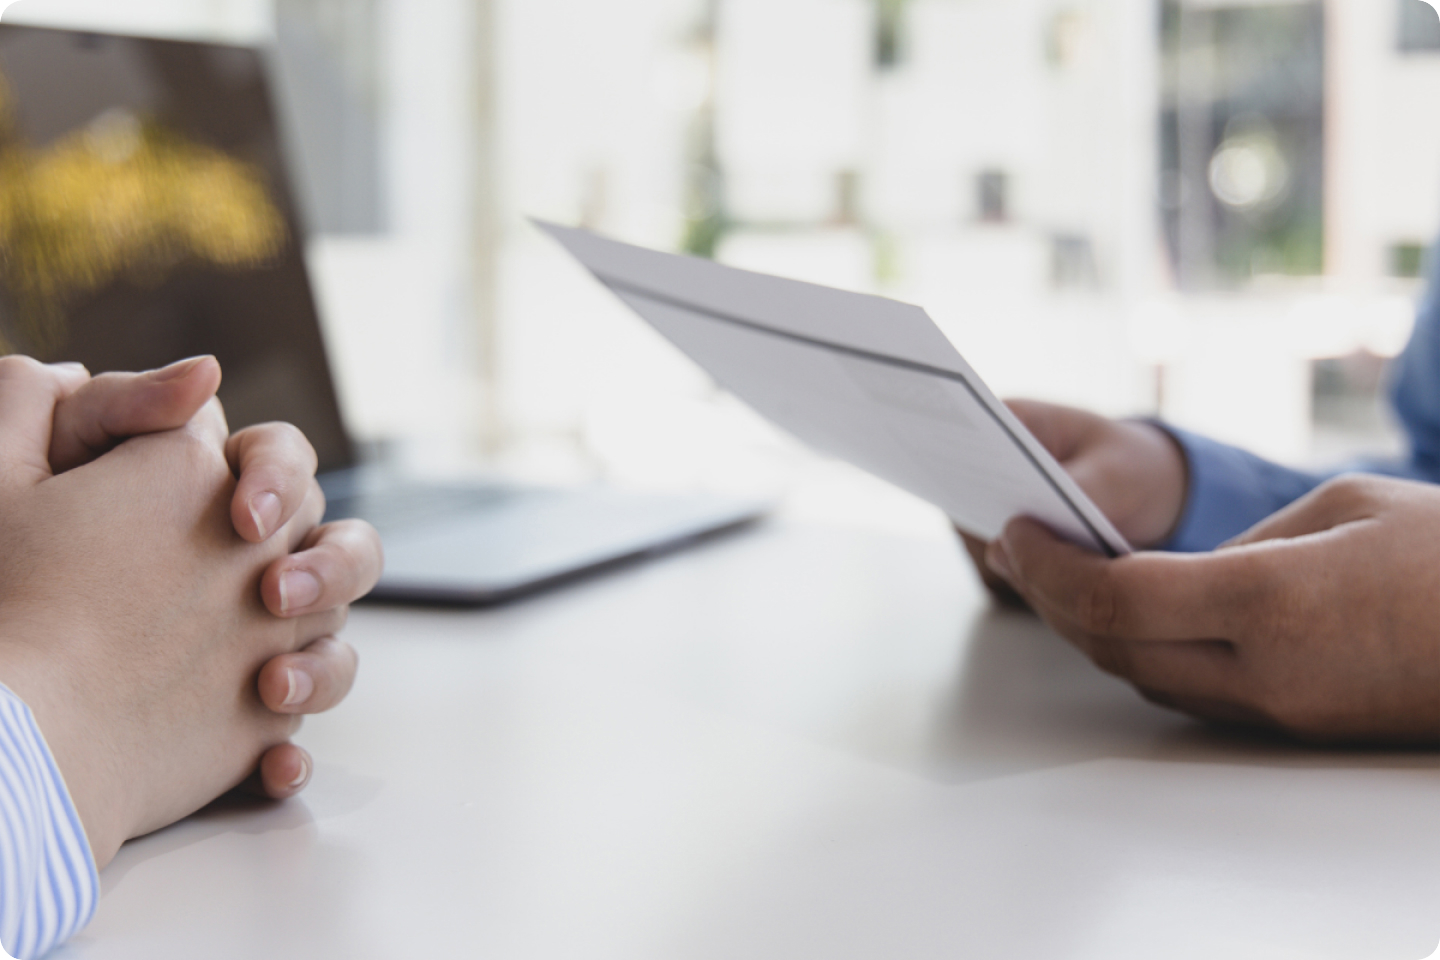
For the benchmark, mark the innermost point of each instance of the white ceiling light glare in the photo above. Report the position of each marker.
(1249, 173)
(5, 4)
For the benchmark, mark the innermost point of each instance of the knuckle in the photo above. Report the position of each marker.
(290, 434)
(215, 411)
(326, 625)
(287, 435)
(1349, 492)
(1100, 606)
(341, 562)
(282, 430)
(207, 428)
(196, 447)
(360, 544)
(1289, 710)
(371, 537)
(317, 495)
(340, 655)
(17, 367)
(283, 444)
(196, 458)
(367, 534)
(277, 728)
(1111, 658)
(1259, 593)
(307, 513)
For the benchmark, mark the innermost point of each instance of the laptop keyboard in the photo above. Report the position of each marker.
(408, 505)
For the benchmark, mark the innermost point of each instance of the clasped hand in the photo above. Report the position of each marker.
(1322, 622)
(168, 604)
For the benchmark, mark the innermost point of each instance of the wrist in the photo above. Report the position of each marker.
(34, 670)
(1160, 461)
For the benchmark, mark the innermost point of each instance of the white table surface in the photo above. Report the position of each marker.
(800, 742)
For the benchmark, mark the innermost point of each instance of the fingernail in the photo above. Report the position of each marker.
(73, 365)
(997, 558)
(299, 781)
(178, 369)
(265, 511)
(299, 687)
(298, 589)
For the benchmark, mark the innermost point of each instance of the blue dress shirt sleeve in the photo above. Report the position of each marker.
(1231, 490)
(48, 885)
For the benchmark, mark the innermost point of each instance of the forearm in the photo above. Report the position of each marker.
(48, 884)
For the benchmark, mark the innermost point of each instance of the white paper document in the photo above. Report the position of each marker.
(866, 379)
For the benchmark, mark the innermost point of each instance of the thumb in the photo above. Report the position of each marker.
(116, 406)
(1063, 431)
(29, 393)
(1342, 501)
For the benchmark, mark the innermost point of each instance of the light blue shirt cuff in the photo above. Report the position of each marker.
(49, 887)
(1229, 492)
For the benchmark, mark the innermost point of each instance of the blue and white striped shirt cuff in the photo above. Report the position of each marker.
(48, 885)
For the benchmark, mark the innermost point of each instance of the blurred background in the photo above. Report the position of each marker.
(1215, 211)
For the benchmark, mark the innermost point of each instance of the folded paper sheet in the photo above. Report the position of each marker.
(869, 380)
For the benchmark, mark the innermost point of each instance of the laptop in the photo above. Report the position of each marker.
(149, 217)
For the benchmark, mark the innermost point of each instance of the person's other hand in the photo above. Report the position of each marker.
(337, 564)
(1320, 622)
(1134, 471)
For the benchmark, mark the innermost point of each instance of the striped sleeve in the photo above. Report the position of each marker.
(48, 884)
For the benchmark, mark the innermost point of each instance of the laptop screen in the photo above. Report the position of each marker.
(145, 216)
